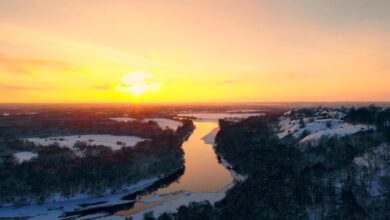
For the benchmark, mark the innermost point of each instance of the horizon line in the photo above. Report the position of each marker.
(193, 103)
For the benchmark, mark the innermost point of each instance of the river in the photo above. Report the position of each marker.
(202, 178)
(202, 173)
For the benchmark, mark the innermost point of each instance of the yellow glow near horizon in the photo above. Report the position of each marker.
(192, 51)
(138, 83)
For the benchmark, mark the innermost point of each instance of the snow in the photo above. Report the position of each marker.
(165, 123)
(312, 125)
(237, 177)
(30, 113)
(27, 113)
(183, 198)
(25, 156)
(156, 203)
(5, 114)
(362, 161)
(373, 165)
(332, 114)
(216, 116)
(316, 128)
(346, 129)
(56, 208)
(112, 141)
(376, 158)
(123, 119)
(172, 201)
(210, 137)
(243, 111)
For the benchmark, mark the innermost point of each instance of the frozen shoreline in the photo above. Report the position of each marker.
(184, 198)
(57, 205)
(210, 139)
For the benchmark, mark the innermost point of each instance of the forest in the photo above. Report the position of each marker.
(58, 170)
(289, 181)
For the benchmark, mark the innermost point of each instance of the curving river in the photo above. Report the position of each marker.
(203, 172)
(202, 178)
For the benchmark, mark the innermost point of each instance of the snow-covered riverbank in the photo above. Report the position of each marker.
(190, 187)
(57, 205)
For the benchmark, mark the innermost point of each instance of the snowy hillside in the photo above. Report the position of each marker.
(344, 130)
(311, 129)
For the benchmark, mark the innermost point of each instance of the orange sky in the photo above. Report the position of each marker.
(194, 51)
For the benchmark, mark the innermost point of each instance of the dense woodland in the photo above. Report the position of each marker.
(46, 125)
(290, 181)
(59, 170)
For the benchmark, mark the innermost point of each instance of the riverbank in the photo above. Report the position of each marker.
(154, 195)
(172, 201)
(83, 202)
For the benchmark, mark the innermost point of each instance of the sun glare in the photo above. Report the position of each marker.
(138, 84)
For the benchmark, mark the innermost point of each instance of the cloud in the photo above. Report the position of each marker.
(103, 87)
(226, 82)
(223, 82)
(25, 65)
(15, 88)
(76, 47)
(291, 75)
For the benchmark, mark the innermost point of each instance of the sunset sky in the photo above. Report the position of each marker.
(194, 50)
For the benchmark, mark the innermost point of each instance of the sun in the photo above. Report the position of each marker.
(138, 84)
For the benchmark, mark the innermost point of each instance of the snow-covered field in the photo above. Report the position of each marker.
(164, 123)
(316, 128)
(5, 114)
(112, 141)
(216, 116)
(24, 156)
(123, 119)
